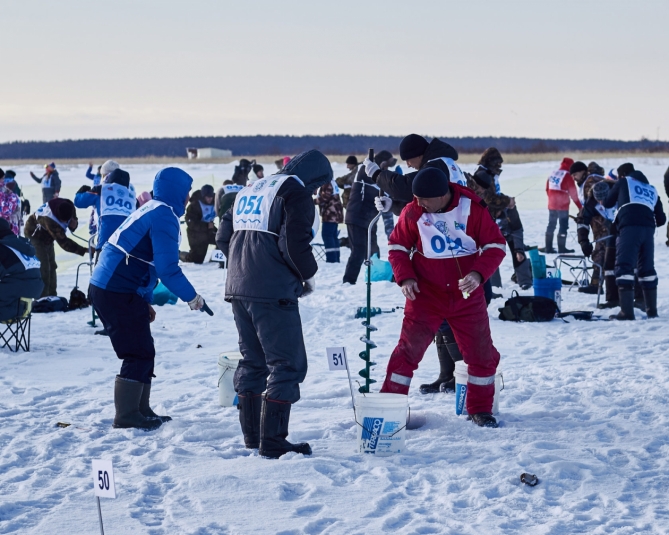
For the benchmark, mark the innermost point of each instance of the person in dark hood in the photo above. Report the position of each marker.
(241, 174)
(200, 228)
(50, 182)
(19, 272)
(266, 237)
(144, 248)
(47, 225)
(360, 211)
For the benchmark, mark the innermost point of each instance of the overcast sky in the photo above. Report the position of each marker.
(135, 68)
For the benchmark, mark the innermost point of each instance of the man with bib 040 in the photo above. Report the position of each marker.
(445, 245)
(639, 213)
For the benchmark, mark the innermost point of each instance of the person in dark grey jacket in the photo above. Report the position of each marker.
(266, 237)
(50, 182)
(19, 272)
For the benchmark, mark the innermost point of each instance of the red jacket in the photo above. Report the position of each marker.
(560, 186)
(446, 246)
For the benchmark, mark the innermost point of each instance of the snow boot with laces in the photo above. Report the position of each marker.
(127, 396)
(250, 408)
(274, 430)
(146, 409)
(484, 419)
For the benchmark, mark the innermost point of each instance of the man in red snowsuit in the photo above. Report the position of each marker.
(560, 186)
(445, 245)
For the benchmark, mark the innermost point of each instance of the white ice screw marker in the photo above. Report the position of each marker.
(103, 484)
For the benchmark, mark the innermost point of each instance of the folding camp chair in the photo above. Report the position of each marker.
(15, 332)
(578, 268)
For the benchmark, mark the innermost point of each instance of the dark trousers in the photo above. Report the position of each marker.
(330, 233)
(555, 216)
(635, 249)
(46, 254)
(199, 243)
(271, 342)
(357, 241)
(388, 223)
(126, 319)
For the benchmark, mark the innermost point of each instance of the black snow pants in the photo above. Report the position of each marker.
(126, 319)
(271, 342)
(635, 249)
(357, 241)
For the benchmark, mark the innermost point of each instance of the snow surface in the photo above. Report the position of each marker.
(584, 408)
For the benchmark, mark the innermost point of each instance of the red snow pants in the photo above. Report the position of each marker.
(469, 320)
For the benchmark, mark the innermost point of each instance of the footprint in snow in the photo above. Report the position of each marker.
(290, 492)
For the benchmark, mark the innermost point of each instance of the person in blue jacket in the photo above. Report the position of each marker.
(143, 248)
(114, 200)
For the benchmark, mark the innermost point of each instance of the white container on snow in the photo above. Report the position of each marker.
(461, 377)
(227, 364)
(382, 422)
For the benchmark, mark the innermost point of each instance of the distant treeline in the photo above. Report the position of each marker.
(290, 145)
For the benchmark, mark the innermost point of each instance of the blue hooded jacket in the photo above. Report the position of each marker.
(147, 244)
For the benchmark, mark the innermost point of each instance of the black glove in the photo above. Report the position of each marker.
(84, 189)
(586, 247)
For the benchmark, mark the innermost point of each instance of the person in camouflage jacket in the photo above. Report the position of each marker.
(345, 182)
(47, 225)
(332, 214)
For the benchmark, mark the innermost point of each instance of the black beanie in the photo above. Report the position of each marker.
(430, 182)
(207, 190)
(257, 168)
(412, 146)
(576, 167)
(352, 160)
(63, 209)
(625, 169)
(118, 176)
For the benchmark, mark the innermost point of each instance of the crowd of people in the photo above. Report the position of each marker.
(445, 247)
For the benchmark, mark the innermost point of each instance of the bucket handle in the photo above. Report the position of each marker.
(226, 370)
(390, 436)
(501, 375)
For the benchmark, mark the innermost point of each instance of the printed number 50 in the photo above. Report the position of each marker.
(103, 480)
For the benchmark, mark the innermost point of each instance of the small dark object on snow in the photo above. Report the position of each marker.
(62, 424)
(199, 346)
(78, 300)
(484, 419)
(585, 315)
(529, 479)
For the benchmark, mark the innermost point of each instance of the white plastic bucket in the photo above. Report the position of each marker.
(227, 364)
(381, 423)
(461, 377)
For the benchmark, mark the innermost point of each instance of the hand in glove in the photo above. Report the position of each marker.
(196, 303)
(84, 189)
(370, 167)
(309, 287)
(586, 247)
(383, 204)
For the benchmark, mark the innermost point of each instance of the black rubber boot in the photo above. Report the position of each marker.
(484, 419)
(591, 288)
(274, 430)
(650, 297)
(639, 301)
(626, 298)
(250, 407)
(446, 366)
(549, 244)
(562, 244)
(102, 332)
(127, 395)
(145, 407)
(611, 292)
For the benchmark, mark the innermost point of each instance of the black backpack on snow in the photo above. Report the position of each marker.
(528, 308)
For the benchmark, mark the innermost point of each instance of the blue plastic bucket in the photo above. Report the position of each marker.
(550, 287)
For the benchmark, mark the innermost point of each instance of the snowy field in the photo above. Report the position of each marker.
(584, 408)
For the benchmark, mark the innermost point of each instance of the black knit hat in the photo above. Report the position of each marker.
(257, 168)
(600, 190)
(430, 182)
(207, 190)
(625, 169)
(576, 167)
(118, 176)
(384, 156)
(412, 146)
(351, 160)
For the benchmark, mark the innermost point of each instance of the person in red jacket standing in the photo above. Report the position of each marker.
(445, 245)
(560, 186)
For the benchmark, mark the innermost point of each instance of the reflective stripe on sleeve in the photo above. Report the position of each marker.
(581, 225)
(401, 379)
(481, 381)
(648, 279)
(495, 246)
(625, 278)
(396, 247)
(609, 273)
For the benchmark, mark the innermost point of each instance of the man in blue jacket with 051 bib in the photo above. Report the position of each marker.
(143, 248)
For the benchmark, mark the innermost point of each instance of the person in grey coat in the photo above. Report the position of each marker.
(266, 237)
(50, 182)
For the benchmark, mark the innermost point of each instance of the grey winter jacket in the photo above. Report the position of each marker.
(271, 266)
(15, 280)
(49, 192)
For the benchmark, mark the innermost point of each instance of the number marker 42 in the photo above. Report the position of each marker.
(103, 479)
